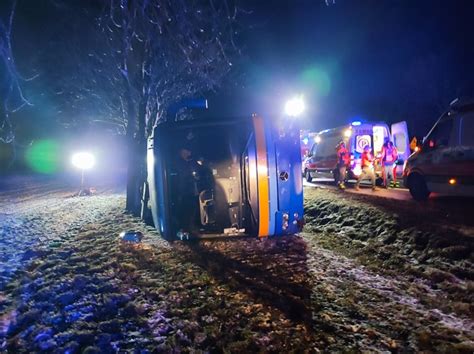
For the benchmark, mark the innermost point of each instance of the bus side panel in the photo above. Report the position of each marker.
(252, 187)
(272, 176)
(289, 181)
(262, 177)
(157, 187)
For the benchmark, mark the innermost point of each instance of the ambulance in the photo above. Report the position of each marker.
(225, 177)
(322, 158)
(445, 162)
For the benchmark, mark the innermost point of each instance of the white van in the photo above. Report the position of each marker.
(322, 158)
(445, 162)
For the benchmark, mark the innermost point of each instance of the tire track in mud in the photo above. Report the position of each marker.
(341, 303)
(267, 280)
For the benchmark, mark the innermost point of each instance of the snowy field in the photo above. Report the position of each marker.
(366, 275)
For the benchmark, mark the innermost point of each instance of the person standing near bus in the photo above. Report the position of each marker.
(389, 168)
(343, 160)
(367, 165)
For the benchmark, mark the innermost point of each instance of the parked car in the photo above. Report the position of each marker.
(322, 158)
(445, 162)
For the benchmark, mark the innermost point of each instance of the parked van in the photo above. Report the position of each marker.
(445, 162)
(306, 142)
(322, 158)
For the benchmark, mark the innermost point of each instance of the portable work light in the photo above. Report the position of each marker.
(83, 161)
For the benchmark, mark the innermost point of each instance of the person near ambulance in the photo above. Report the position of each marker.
(343, 160)
(367, 165)
(413, 144)
(389, 157)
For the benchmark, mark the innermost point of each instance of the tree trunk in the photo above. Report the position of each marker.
(133, 178)
(136, 172)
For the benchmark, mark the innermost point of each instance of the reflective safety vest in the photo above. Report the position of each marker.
(367, 159)
(389, 154)
(343, 157)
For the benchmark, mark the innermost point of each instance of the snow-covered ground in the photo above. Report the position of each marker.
(358, 278)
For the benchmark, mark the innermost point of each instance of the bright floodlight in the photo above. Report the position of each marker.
(83, 160)
(294, 107)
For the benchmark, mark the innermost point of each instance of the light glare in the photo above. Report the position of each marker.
(83, 160)
(295, 107)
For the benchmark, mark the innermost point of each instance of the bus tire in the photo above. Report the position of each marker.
(417, 186)
(308, 175)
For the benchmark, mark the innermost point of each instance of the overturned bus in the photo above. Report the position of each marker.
(218, 178)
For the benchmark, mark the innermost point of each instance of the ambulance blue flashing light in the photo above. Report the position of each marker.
(356, 123)
(305, 141)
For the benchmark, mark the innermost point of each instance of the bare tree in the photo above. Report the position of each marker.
(148, 55)
(11, 94)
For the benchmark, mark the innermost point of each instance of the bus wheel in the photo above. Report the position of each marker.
(308, 176)
(417, 186)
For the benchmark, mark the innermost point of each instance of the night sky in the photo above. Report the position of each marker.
(370, 59)
(379, 60)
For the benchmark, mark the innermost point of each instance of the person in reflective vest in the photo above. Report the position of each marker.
(389, 169)
(413, 144)
(343, 160)
(367, 165)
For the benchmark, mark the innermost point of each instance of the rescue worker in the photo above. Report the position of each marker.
(343, 161)
(413, 144)
(389, 156)
(367, 165)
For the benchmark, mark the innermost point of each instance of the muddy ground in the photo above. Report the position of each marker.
(366, 275)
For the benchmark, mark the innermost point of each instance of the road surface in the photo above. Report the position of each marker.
(391, 193)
